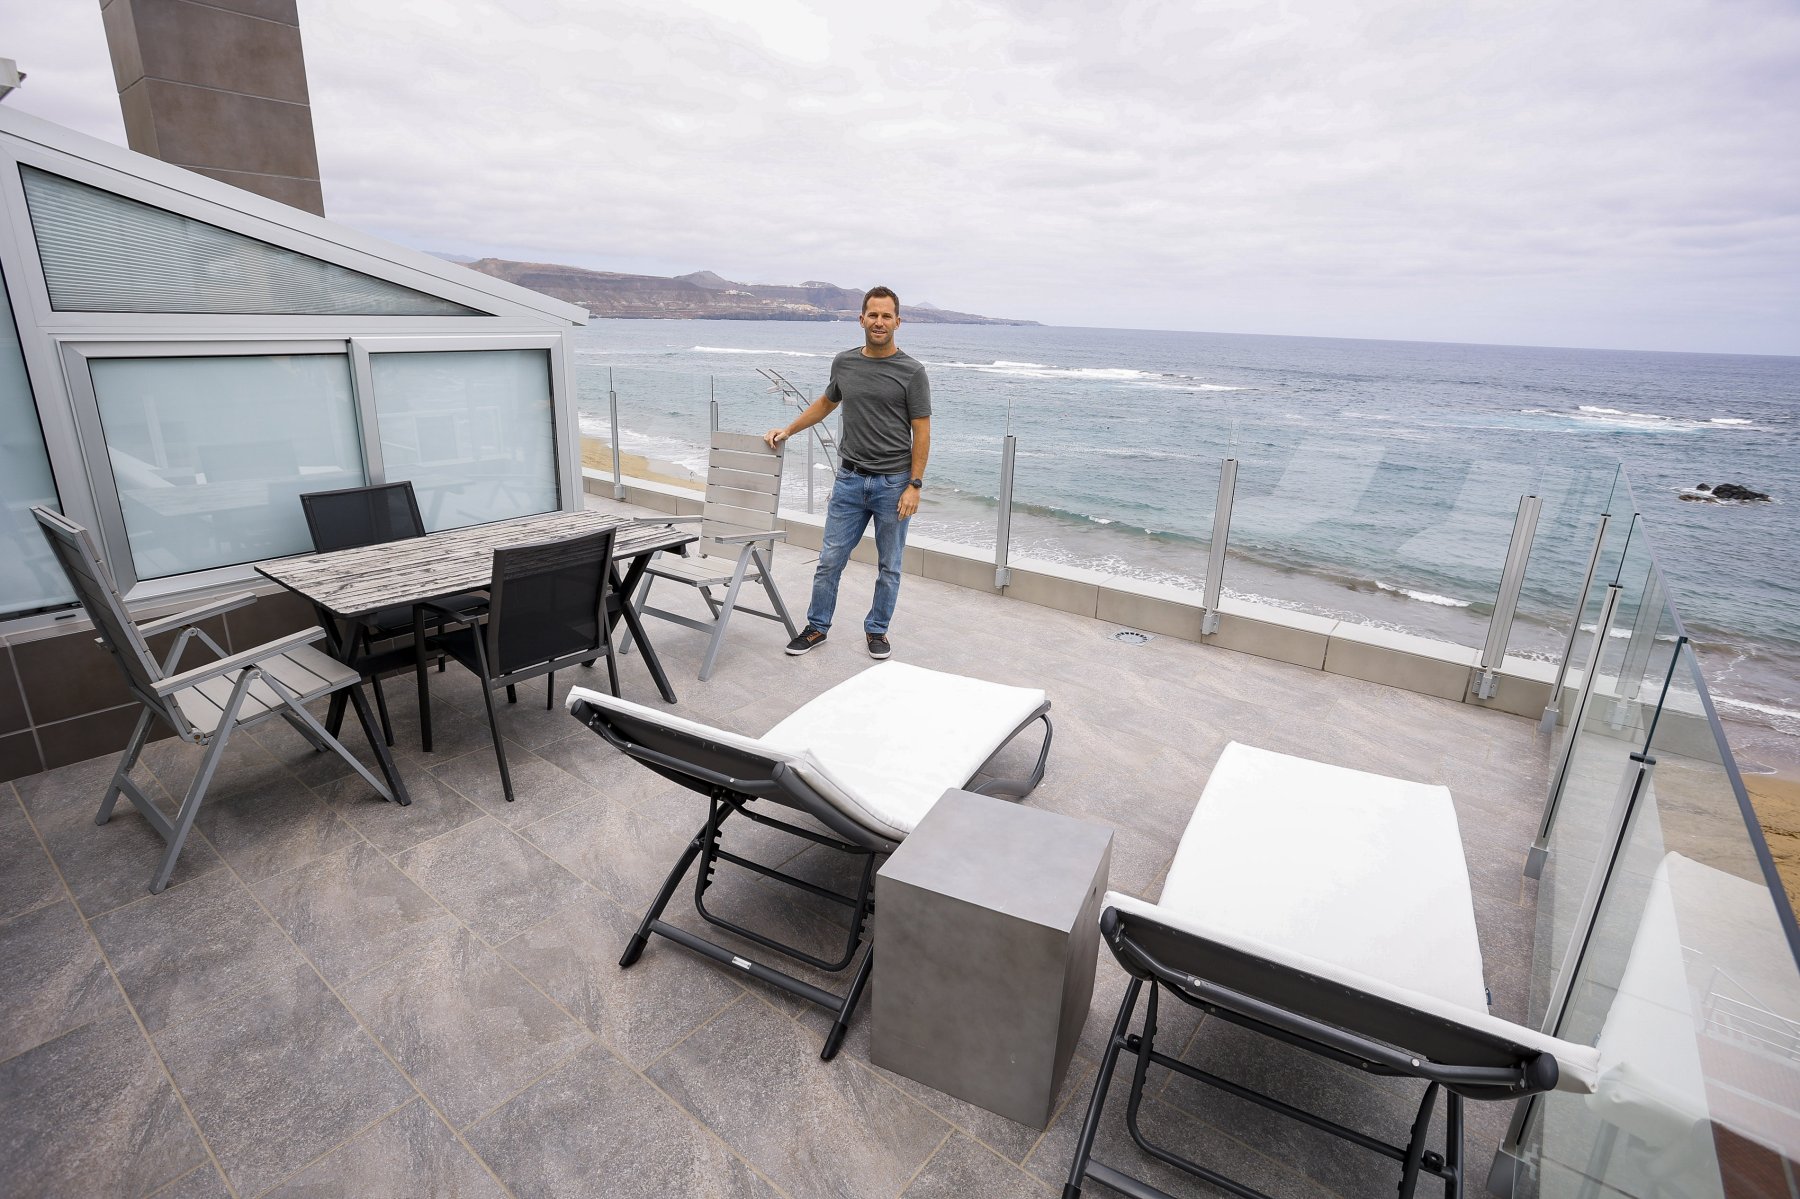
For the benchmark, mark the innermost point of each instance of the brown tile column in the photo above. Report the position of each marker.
(219, 87)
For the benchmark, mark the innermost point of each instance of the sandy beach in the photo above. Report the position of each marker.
(597, 455)
(1776, 799)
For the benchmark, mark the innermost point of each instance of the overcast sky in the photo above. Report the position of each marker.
(1619, 173)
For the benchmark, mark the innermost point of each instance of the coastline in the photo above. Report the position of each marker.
(596, 454)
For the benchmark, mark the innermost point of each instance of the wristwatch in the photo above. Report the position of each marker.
(919, 483)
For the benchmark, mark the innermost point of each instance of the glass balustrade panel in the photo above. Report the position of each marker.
(1688, 985)
(1372, 531)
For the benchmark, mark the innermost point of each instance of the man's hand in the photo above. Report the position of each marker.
(909, 501)
(775, 437)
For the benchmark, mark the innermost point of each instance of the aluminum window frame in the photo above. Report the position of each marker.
(108, 518)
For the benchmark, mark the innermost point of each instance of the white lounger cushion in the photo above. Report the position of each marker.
(1356, 869)
(1349, 876)
(881, 746)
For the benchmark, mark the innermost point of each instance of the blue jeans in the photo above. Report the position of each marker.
(855, 500)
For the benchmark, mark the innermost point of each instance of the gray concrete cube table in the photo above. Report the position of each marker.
(989, 934)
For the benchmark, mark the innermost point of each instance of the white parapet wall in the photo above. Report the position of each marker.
(1336, 646)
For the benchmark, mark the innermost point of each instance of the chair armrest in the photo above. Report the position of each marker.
(468, 617)
(176, 620)
(249, 657)
(747, 538)
(696, 518)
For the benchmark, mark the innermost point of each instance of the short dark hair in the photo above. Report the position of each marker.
(881, 293)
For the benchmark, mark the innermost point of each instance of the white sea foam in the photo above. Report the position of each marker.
(737, 350)
(1094, 374)
(1782, 720)
(1654, 422)
(1424, 597)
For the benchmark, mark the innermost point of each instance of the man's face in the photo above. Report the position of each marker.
(879, 319)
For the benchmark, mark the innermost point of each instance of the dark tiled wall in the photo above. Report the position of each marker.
(219, 87)
(63, 697)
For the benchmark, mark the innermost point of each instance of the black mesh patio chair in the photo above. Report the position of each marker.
(353, 517)
(549, 606)
(206, 704)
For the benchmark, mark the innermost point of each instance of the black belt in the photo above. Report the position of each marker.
(854, 469)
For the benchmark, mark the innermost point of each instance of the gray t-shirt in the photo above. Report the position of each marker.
(880, 399)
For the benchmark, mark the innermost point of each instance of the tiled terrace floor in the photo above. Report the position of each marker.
(340, 997)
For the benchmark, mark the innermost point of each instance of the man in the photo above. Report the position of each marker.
(883, 442)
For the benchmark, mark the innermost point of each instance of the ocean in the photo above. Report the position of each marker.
(1377, 481)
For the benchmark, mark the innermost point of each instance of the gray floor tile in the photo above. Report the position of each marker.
(963, 1168)
(91, 1113)
(814, 1128)
(203, 1183)
(71, 794)
(279, 825)
(54, 979)
(407, 1155)
(467, 1028)
(435, 809)
(192, 947)
(27, 879)
(593, 1128)
(280, 1077)
(624, 851)
(574, 957)
(499, 884)
(112, 864)
(539, 788)
(353, 910)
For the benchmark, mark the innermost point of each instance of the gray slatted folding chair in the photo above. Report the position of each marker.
(737, 541)
(207, 704)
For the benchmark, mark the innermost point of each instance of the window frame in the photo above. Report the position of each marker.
(108, 516)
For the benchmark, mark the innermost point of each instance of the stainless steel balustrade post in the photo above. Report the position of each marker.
(1554, 710)
(1512, 579)
(713, 400)
(810, 441)
(1637, 649)
(1540, 847)
(612, 404)
(1215, 557)
(1003, 534)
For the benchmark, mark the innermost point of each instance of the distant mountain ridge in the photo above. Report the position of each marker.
(704, 295)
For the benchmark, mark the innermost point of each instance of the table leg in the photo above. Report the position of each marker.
(419, 672)
(378, 743)
(343, 651)
(623, 589)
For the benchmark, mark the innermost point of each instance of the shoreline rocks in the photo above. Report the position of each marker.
(1724, 493)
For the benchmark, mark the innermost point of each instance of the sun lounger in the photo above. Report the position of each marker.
(848, 760)
(1330, 909)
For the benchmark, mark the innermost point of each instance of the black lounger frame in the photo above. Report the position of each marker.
(1310, 1012)
(731, 778)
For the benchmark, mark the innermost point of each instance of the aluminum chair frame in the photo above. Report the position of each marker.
(285, 669)
(732, 779)
(743, 488)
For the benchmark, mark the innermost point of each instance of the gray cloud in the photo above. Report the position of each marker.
(1610, 173)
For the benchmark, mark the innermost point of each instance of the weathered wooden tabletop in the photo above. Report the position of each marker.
(361, 580)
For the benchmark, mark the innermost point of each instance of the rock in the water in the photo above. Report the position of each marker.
(1733, 491)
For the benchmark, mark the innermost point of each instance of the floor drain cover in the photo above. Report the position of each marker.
(1130, 637)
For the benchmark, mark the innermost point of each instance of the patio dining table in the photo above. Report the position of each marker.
(346, 585)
